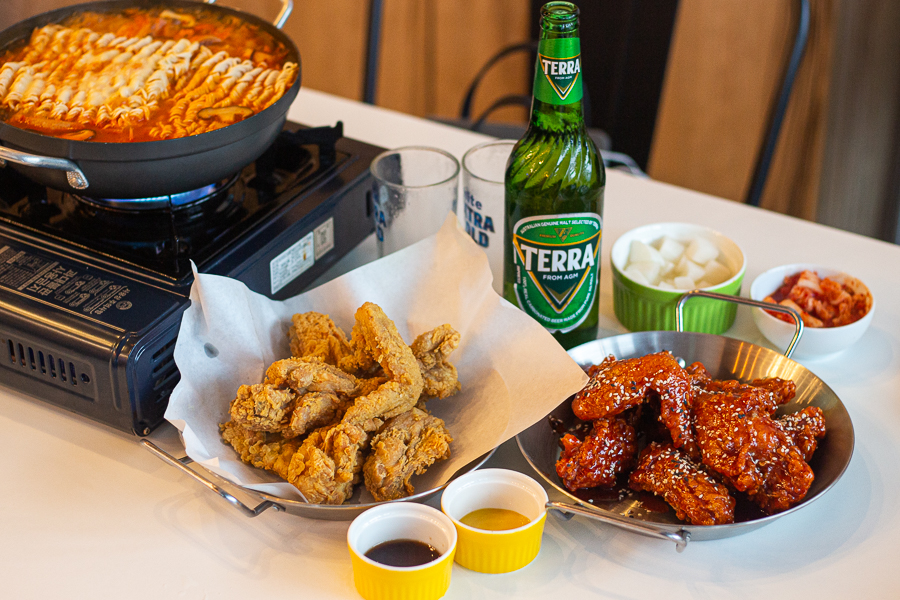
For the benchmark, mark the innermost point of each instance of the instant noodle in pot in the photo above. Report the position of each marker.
(148, 168)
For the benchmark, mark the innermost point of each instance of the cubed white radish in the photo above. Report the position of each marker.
(649, 269)
(701, 251)
(635, 275)
(666, 268)
(684, 283)
(703, 284)
(670, 249)
(665, 285)
(688, 268)
(640, 251)
(716, 272)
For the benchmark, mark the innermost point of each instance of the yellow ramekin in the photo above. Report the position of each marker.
(496, 551)
(401, 521)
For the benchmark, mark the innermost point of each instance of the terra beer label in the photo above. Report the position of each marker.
(557, 261)
(557, 78)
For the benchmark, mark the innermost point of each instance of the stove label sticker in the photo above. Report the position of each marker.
(324, 238)
(25, 272)
(44, 278)
(288, 265)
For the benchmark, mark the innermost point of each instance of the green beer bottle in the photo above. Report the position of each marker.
(554, 194)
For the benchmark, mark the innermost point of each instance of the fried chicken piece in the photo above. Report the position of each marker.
(315, 409)
(376, 336)
(314, 335)
(782, 390)
(262, 407)
(604, 364)
(367, 386)
(304, 375)
(773, 391)
(739, 440)
(764, 394)
(262, 450)
(407, 445)
(785, 482)
(298, 395)
(432, 350)
(626, 383)
(805, 427)
(686, 486)
(607, 451)
(327, 464)
(698, 371)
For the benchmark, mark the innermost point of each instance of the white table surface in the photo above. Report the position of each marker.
(86, 512)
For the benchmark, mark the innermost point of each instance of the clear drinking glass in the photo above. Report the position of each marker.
(414, 189)
(484, 167)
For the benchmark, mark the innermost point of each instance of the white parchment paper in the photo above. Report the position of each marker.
(512, 371)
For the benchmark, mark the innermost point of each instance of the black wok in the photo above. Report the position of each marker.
(144, 169)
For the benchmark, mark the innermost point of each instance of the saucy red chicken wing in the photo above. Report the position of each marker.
(597, 460)
(686, 486)
(621, 384)
(748, 448)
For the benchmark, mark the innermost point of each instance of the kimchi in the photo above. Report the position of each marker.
(822, 302)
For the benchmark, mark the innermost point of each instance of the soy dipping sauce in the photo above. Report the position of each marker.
(403, 553)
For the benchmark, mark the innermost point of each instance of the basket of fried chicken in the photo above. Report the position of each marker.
(376, 386)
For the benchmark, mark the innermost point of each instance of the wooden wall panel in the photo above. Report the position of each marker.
(723, 68)
(407, 54)
(861, 164)
(466, 35)
(794, 178)
(430, 52)
(724, 72)
(331, 37)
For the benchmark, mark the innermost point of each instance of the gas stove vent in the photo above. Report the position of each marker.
(49, 366)
(165, 374)
(154, 377)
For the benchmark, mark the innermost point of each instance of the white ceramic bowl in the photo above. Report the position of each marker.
(815, 342)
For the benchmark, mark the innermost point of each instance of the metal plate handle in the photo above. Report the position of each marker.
(286, 7)
(681, 538)
(74, 175)
(181, 464)
(798, 322)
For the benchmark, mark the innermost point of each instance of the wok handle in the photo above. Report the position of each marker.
(681, 538)
(286, 7)
(181, 465)
(798, 322)
(74, 175)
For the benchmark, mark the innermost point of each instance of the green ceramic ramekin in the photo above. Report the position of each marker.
(649, 308)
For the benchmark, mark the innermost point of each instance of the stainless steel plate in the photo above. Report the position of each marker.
(725, 358)
(328, 512)
(354, 506)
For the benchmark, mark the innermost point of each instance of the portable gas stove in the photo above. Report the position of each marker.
(92, 290)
